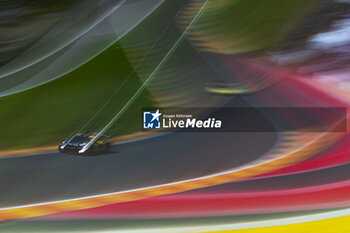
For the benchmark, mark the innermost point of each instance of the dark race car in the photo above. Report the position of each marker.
(75, 144)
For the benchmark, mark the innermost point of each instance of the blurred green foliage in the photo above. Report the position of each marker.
(241, 26)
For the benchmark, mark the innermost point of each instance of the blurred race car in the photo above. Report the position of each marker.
(75, 144)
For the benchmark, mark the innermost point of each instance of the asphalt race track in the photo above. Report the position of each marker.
(167, 158)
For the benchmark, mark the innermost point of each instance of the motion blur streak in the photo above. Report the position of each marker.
(97, 64)
(235, 203)
(284, 156)
(148, 80)
(104, 31)
(332, 221)
(331, 225)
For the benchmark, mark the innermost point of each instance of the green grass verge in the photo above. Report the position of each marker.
(47, 114)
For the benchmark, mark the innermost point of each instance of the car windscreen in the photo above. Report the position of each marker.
(80, 139)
